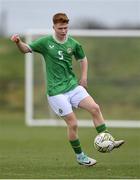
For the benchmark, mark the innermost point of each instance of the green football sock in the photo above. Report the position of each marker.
(101, 128)
(76, 146)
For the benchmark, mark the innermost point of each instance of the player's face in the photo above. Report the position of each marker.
(61, 30)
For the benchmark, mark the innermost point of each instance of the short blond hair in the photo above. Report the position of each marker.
(60, 18)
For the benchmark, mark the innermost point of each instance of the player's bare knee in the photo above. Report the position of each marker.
(73, 126)
(95, 109)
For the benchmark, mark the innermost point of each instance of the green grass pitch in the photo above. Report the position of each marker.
(45, 153)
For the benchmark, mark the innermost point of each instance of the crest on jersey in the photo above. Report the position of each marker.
(69, 50)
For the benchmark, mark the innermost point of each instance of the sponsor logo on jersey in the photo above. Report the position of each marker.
(51, 46)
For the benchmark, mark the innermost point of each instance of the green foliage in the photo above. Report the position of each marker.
(11, 61)
(11, 76)
(113, 76)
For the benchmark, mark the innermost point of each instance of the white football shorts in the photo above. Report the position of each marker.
(62, 104)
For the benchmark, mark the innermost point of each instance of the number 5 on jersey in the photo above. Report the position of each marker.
(60, 53)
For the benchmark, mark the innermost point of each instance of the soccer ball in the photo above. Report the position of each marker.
(104, 142)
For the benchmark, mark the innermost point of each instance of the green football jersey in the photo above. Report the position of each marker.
(58, 59)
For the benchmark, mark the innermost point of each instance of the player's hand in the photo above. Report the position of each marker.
(83, 82)
(15, 38)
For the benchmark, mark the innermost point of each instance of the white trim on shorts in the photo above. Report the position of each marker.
(62, 104)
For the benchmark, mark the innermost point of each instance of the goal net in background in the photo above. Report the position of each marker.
(113, 78)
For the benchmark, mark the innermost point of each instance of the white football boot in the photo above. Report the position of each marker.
(84, 160)
(115, 144)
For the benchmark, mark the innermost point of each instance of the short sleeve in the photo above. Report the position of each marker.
(79, 52)
(37, 45)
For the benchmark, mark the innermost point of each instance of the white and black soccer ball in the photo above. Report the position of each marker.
(104, 142)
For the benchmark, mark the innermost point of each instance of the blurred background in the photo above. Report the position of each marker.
(114, 62)
(113, 78)
(18, 16)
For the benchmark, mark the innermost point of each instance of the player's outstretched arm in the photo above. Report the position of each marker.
(23, 47)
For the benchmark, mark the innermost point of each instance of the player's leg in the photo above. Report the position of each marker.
(90, 105)
(72, 126)
(72, 131)
(62, 107)
(81, 98)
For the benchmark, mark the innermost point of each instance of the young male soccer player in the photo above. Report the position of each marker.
(63, 89)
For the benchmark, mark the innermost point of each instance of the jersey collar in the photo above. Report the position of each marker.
(60, 42)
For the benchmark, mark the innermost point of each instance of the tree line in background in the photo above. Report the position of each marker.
(95, 24)
(82, 24)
